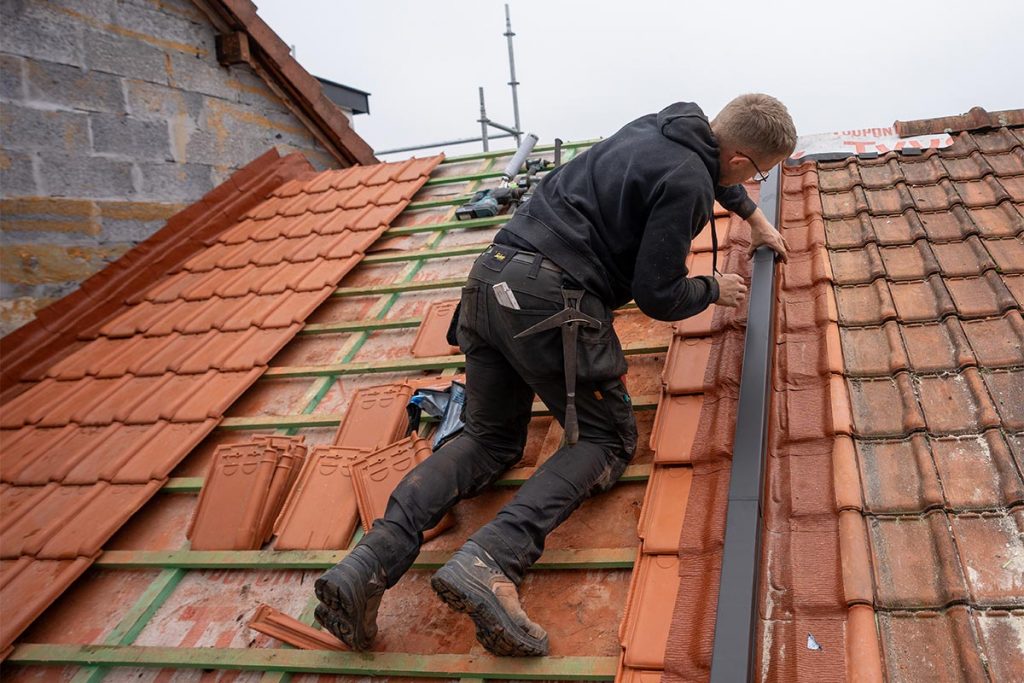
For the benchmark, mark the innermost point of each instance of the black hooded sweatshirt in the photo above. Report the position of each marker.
(620, 217)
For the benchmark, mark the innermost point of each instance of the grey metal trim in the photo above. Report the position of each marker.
(355, 100)
(733, 658)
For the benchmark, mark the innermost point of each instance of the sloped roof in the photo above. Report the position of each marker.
(88, 444)
(928, 260)
(895, 509)
(361, 336)
(893, 482)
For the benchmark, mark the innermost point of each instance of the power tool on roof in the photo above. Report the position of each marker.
(487, 203)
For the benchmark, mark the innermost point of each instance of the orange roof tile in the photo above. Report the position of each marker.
(124, 408)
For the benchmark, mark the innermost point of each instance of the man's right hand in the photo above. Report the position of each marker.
(731, 290)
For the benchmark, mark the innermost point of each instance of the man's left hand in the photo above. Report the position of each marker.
(764, 234)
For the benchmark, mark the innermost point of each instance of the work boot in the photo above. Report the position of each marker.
(471, 582)
(350, 592)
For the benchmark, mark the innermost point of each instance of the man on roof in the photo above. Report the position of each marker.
(613, 224)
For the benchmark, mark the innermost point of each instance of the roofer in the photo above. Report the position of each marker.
(613, 224)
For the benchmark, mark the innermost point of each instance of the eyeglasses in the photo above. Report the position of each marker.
(761, 175)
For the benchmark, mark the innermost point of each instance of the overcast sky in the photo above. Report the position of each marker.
(587, 68)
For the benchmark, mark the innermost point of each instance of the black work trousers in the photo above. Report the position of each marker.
(502, 376)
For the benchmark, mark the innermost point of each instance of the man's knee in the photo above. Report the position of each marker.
(611, 470)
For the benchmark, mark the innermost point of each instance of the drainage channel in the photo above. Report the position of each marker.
(734, 655)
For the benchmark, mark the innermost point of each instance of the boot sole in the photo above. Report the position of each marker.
(343, 616)
(494, 627)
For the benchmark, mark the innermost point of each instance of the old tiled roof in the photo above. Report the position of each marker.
(272, 61)
(896, 529)
(87, 445)
(928, 263)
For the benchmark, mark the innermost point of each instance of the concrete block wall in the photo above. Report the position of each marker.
(114, 115)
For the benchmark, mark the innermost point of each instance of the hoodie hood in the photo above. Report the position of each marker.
(685, 123)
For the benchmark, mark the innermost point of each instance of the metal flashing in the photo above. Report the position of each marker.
(733, 657)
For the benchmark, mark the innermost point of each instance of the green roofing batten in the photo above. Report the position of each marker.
(471, 224)
(513, 477)
(320, 662)
(586, 558)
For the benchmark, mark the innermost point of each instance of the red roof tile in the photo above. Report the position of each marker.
(126, 407)
(321, 512)
(375, 476)
(430, 339)
(935, 425)
(376, 417)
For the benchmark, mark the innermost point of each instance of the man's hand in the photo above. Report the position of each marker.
(731, 290)
(764, 234)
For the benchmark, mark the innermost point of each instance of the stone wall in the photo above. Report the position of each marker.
(115, 114)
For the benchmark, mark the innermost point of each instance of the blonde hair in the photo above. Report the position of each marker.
(758, 124)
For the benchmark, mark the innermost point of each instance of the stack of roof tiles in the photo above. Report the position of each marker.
(91, 442)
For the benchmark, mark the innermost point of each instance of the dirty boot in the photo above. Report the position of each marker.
(351, 592)
(471, 582)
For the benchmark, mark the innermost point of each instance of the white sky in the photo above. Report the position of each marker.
(587, 68)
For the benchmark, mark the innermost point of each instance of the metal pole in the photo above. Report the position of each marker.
(444, 143)
(512, 72)
(483, 120)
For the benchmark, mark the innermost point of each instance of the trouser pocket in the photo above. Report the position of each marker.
(619, 406)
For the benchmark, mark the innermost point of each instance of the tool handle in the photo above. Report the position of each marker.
(529, 140)
(572, 425)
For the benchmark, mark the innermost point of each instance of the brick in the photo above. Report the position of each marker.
(133, 221)
(160, 102)
(25, 128)
(174, 182)
(17, 173)
(76, 88)
(196, 73)
(124, 56)
(87, 177)
(27, 29)
(134, 138)
(42, 264)
(49, 214)
(166, 27)
(17, 312)
(11, 87)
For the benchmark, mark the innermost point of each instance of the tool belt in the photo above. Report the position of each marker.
(569, 319)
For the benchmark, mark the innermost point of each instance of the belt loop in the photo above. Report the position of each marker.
(538, 259)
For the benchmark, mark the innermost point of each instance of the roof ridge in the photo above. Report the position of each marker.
(975, 119)
(36, 346)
